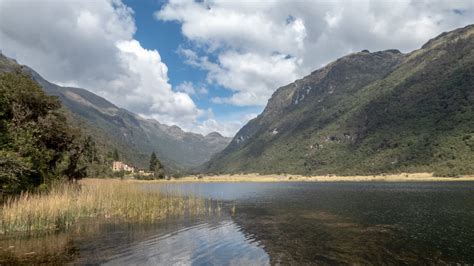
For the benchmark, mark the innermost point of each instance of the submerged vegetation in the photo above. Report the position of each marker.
(65, 204)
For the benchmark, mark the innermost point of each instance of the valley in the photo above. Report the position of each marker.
(236, 132)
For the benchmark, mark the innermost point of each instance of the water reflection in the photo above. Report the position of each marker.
(202, 241)
(280, 223)
(218, 243)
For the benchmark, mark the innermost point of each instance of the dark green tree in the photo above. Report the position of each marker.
(90, 150)
(153, 162)
(37, 145)
(156, 167)
(116, 156)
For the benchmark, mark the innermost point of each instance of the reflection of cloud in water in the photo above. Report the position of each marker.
(214, 243)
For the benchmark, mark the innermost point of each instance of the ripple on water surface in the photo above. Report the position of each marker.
(210, 242)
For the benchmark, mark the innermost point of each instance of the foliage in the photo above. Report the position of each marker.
(154, 163)
(156, 167)
(37, 145)
(116, 156)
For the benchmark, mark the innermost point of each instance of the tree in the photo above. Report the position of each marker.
(116, 156)
(37, 144)
(156, 167)
(153, 162)
(90, 150)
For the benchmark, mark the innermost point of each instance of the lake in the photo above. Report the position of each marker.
(280, 223)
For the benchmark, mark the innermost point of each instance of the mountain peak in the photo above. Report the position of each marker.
(361, 68)
(444, 37)
(7, 64)
(367, 112)
(175, 130)
(214, 134)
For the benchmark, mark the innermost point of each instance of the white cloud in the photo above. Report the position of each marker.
(188, 87)
(234, 24)
(258, 46)
(227, 127)
(202, 90)
(90, 44)
(252, 77)
(248, 47)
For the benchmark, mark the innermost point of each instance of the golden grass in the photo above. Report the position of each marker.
(126, 200)
(403, 177)
(65, 204)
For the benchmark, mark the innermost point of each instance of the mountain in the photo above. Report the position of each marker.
(368, 113)
(133, 136)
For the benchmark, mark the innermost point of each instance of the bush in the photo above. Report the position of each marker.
(119, 174)
(447, 172)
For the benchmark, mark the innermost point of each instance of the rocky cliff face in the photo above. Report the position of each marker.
(134, 136)
(368, 113)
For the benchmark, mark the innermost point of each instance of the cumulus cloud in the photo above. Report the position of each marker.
(227, 127)
(251, 76)
(189, 88)
(257, 46)
(90, 44)
(248, 47)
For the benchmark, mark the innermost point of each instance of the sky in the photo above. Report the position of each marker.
(207, 65)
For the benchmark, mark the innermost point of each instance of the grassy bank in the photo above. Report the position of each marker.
(403, 177)
(61, 207)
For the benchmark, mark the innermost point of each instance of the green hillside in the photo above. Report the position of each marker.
(133, 136)
(368, 113)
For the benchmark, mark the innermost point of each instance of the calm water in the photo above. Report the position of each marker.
(283, 223)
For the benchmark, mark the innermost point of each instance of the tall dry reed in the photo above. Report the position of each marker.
(63, 205)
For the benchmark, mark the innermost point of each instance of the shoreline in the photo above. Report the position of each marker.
(403, 177)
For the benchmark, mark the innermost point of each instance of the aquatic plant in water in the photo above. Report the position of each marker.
(64, 204)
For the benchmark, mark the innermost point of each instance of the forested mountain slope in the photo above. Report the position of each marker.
(368, 113)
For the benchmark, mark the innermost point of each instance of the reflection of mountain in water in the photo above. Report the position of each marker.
(362, 223)
(284, 223)
(381, 223)
(322, 238)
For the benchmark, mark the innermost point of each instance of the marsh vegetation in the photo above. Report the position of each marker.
(62, 206)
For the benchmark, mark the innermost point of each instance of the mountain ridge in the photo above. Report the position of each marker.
(342, 117)
(134, 136)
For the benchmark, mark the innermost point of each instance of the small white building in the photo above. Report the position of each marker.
(118, 166)
(144, 173)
